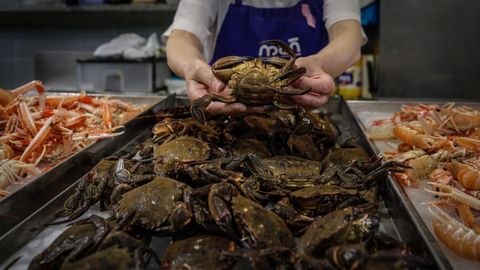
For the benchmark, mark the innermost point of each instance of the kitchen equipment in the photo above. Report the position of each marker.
(121, 75)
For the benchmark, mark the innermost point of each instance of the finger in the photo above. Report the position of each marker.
(205, 76)
(225, 108)
(311, 100)
(195, 90)
(319, 83)
(255, 110)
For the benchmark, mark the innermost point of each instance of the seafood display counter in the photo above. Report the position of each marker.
(395, 212)
(373, 114)
(26, 197)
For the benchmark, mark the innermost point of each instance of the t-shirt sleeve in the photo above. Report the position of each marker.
(194, 16)
(339, 10)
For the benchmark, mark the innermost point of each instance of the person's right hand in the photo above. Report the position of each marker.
(201, 81)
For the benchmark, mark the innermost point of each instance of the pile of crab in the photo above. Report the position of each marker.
(36, 132)
(441, 143)
(259, 189)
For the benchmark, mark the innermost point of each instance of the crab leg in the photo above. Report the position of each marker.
(199, 105)
(290, 76)
(222, 67)
(287, 49)
(229, 61)
(39, 139)
(452, 192)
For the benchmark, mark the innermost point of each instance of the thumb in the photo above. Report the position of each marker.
(204, 75)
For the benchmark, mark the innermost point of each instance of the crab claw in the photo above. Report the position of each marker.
(222, 67)
(280, 44)
(122, 175)
(230, 61)
(198, 108)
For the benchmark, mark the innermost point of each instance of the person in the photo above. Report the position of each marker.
(327, 36)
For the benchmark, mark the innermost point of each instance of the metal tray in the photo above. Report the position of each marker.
(395, 218)
(412, 199)
(28, 197)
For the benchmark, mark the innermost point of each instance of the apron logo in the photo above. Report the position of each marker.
(272, 50)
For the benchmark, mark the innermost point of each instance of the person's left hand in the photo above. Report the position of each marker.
(322, 84)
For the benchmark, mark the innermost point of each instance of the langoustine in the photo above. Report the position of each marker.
(41, 130)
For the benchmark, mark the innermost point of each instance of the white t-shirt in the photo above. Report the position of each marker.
(200, 16)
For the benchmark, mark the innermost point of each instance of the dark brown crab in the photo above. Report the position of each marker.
(75, 241)
(117, 251)
(347, 154)
(246, 221)
(320, 198)
(342, 226)
(200, 252)
(359, 175)
(100, 184)
(296, 221)
(255, 82)
(281, 172)
(170, 128)
(378, 252)
(88, 242)
(158, 206)
(181, 150)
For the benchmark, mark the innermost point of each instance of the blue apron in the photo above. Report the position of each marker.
(244, 27)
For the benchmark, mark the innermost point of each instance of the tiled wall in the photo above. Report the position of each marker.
(18, 47)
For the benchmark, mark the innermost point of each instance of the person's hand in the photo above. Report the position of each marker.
(320, 82)
(201, 81)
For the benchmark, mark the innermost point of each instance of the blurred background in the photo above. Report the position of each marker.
(416, 49)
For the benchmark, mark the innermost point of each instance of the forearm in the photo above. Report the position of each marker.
(342, 51)
(183, 52)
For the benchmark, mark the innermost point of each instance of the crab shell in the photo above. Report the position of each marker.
(158, 205)
(111, 258)
(247, 78)
(199, 252)
(320, 196)
(83, 236)
(260, 228)
(182, 149)
(336, 228)
(287, 172)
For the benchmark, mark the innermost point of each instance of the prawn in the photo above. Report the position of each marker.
(419, 140)
(456, 236)
(468, 175)
(461, 118)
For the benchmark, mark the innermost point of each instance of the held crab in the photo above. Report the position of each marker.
(256, 82)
